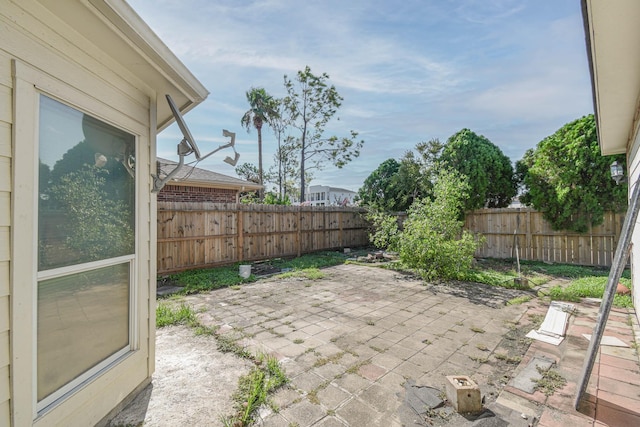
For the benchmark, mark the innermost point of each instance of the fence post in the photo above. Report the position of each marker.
(240, 235)
(340, 236)
(528, 238)
(299, 228)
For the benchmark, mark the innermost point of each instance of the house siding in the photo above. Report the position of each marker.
(633, 160)
(56, 52)
(6, 102)
(181, 193)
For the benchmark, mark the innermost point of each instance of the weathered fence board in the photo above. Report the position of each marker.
(197, 235)
(525, 229)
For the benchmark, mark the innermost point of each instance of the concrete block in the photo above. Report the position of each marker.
(464, 394)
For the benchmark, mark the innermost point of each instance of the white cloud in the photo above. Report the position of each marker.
(409, 71)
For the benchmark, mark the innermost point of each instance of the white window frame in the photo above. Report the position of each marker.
(29, 84)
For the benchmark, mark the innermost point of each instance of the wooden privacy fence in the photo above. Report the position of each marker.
(197, 235)
(504, 229)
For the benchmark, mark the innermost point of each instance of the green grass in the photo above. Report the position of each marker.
(168, 314)
(200, 280)
(590, 287)
(502, 278)
(315, 260)
(588, 280)
(567, 271)
(306, 266)
(312, 273)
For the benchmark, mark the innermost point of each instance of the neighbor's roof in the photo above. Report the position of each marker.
(117, 31)
(613, 36)
(193, 176)
(341, 190)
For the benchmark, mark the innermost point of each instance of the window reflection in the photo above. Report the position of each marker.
(83, 318)
(86, 213)
(86, 188)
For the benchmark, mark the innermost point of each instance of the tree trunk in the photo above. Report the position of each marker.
(261, 192)
(280, 170)
(302, 183)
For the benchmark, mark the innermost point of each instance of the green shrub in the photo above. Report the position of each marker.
(384, 232)
(274, 199)
(433, 240)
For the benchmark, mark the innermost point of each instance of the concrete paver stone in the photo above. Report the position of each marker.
(422, 398)
(355, 344)
(525, 379)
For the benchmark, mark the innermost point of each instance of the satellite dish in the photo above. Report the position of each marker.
(188, 145)
(187, 137)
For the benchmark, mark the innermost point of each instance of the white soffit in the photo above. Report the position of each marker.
(613, 35)
(116, 29)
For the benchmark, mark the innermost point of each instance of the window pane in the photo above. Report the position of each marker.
(86, 188)
(83, 319)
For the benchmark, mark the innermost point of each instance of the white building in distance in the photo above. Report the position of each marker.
(323, 195)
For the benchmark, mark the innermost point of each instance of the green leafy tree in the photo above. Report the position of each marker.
(274, 199)
(83, 155)
(262, 109)
(394, 185)
(384, 232)
(489, 171)
(433, 240)
(248, 172)
(97, 224)
(417, 173)
(311, 103)
(378, 191)
(279, 123)
(286, 167)
(568, 179)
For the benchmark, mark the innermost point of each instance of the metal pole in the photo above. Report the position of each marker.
(619, 262)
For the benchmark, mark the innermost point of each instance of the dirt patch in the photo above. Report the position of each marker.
(192, 384)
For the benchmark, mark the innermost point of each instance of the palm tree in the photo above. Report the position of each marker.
(262, 109)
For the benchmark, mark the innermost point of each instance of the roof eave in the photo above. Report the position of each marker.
(612, 36)
(217, 184)
(118, 31)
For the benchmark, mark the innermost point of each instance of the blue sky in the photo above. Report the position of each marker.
(512, 70)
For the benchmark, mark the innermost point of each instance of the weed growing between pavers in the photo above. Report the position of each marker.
(479, 359)
(509, 359)
(550, 382)
(255, 387)
(333, 359)
(520, 300)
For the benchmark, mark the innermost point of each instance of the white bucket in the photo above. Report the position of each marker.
(245, 271)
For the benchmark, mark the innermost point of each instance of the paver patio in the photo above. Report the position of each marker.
(354, 343)
(350, 341)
